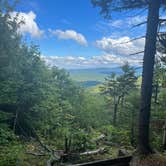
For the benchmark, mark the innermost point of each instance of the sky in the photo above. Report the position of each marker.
(72, 33)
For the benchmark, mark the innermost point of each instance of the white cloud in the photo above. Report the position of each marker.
(103, 60)
(116, 23)
(136, 20)
(65, 61)
(30, 26)
(121, 26)
(115, 52)
(120, 46)
(70, 35)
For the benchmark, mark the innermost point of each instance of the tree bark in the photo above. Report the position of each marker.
(115, 114)
(164, 137)
(147, 76)
(156, 93)
(132, 140)
(15, 121)
(115, 111)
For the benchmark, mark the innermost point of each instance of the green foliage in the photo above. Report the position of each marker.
(116, 88)
(81, 141)
(35, 97)
(10, 155)
(10, 147)
(117, 135)
(6, 135)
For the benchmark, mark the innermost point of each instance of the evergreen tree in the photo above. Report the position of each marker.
(117, 87)
(153, 8)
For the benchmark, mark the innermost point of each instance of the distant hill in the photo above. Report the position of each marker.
(88, 84)
(92, 77)
(95, 74)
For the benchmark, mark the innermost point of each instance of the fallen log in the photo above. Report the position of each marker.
(76, 156)
(94, 152)
(54, 158)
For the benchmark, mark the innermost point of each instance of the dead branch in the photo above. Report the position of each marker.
(139, 13)
(54, 158)
(141, 37)
(40, 142)
(94, 152)
(137, 38)
(161, 21)
(137, 25)
(134, 39)
(136, 53)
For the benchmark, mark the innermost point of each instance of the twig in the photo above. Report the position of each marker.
(136, 53)
(141, 37)
(134, 26)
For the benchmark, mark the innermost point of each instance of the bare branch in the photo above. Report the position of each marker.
(162, 20)
(141, 37)
(136, 53)
(139, 13)
(142, 23)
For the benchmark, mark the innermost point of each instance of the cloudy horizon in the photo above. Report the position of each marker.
(67, 40)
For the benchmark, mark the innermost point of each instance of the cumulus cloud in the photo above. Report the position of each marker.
(103, 60)
(65, 61)
(120, 46)
(29, 26)
(114, 52)
(69, 35)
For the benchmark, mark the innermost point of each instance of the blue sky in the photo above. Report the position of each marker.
(72, 34)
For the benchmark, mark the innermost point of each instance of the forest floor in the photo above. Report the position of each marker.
(30, 153)
(151, 160)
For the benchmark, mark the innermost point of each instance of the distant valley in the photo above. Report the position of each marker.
(94, 76)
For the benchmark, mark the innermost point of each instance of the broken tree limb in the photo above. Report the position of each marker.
(94, 152)
(140, 52)
(142, 23)
(134, 39)
(54, 158)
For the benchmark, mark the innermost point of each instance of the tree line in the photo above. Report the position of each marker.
(42, 105)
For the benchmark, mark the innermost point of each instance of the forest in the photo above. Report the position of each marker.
(47, 118)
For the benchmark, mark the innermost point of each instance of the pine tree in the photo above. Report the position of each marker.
(153, 7)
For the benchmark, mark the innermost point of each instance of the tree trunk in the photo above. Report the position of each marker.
(115, 110)
(115, 114)
(147, 76)
(132, 140)
(164, 137)
(15, 121)
(66, 145)
(156, 93)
